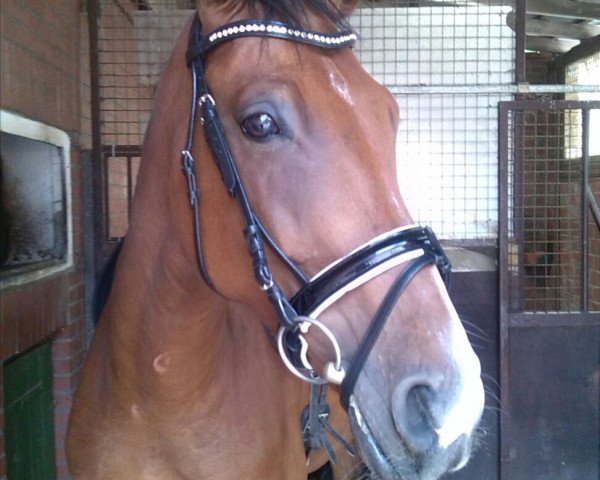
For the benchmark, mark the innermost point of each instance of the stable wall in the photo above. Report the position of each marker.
(43, 75)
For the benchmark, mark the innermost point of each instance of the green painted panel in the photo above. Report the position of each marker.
(29, 415)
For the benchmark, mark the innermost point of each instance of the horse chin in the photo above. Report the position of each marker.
(399, 464)
(371, 453)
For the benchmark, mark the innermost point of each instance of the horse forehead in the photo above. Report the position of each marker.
(306, 63)
(332, 83)
(340, 83)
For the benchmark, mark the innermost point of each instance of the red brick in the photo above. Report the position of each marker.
(64, 383)
(61, 417)
(40, 76)
(76, 292)
(62, 471)
(66, 365)
(76, 310)
(65, 346)
(63, 400)
(72, 330)
(32, 313)
(75, 278)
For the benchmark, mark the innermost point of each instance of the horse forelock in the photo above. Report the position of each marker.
(294, 12)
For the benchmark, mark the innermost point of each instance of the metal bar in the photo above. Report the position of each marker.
(122, 150)
(594, 206)
(491, 89)
(504, 444)
(129, 187)
(99, 179)
(552, 319)
(527, 88)
(123, 11)
(549, 44)
(550, 104)
(585, 181)
(520, 67)
(106, 195)
(89, 243)
(554, 28)
(518, 207)
(564, 9)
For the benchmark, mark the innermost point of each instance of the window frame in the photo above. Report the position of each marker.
(15, 124)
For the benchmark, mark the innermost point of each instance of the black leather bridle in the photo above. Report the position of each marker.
(415, 245)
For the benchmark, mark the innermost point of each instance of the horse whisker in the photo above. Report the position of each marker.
(473, 325)
(488, 377)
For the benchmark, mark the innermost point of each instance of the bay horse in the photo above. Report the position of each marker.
(267, 258)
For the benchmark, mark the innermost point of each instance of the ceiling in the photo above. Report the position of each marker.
(554, 26)
(551, 26)
(557, 26)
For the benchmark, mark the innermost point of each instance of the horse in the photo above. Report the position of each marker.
(274, 307)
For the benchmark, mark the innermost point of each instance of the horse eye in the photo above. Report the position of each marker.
(259, 126)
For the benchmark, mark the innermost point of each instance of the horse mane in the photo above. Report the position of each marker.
(295, 12)
(104, 283)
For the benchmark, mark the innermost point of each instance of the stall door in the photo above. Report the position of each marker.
(29, 415)
(550, 290)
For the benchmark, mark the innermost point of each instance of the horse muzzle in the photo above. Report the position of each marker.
(423, 433)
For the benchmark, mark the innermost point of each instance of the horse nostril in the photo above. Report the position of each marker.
(412, 412)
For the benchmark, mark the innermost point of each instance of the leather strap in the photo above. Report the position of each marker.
(316, 428)
(359, 263)
(366, 345)
(270, 29)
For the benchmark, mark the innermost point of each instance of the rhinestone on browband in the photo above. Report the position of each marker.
(277, 29)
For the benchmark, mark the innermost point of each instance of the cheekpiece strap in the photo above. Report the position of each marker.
(272, 29)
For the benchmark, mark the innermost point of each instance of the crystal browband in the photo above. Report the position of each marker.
(265, 28)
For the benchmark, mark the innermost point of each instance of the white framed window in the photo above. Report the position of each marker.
(36, 228)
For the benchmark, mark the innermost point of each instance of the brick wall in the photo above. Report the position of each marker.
(44, 76)
(537, 68)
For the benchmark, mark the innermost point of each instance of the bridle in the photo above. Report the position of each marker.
(414, 245)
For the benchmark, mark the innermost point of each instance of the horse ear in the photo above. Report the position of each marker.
(346, 7)
(210, 12)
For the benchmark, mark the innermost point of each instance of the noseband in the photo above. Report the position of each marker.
(415, 245)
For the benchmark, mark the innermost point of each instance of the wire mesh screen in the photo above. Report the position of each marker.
(459, 43)
(135, 41)
(446, 65)
(554, 226)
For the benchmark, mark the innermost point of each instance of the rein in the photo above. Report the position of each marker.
(414, 244)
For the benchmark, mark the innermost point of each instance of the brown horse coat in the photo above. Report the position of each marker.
(182, 382)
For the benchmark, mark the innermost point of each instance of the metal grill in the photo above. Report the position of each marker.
(549, 289)
(553, 228)
(444, 63)
(135, 39)
(447, 65)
